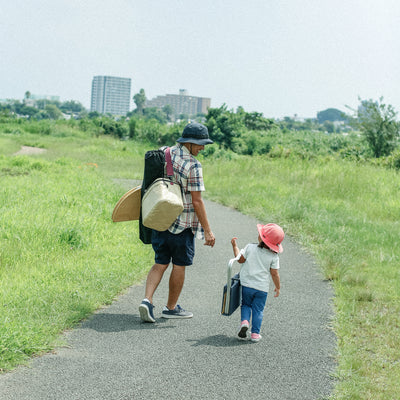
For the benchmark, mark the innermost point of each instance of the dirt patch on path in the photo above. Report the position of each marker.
(28, 150)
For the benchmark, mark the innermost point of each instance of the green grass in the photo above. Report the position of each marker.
(61, 256)
(348, 216)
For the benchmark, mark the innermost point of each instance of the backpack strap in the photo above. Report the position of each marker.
(170, 169)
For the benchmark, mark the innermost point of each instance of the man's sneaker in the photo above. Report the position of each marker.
(244, 326)
(177, 312)
(146, 311)
(255, 337)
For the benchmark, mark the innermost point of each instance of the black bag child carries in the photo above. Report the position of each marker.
(232, 292)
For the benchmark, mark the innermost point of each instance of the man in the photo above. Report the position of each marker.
(177, 243)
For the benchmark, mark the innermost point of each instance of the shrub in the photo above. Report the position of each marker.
(379, 126)
(111, 127)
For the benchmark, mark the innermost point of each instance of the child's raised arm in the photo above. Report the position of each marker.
(236, 250)
(235, 247)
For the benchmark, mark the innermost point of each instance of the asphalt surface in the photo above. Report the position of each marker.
(115, 356)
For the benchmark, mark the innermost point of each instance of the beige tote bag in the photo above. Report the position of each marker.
(161, 204)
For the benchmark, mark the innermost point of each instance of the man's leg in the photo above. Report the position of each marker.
(153, 280)
(182, 249)
(176, 281)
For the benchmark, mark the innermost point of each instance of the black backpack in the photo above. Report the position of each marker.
(154, 161)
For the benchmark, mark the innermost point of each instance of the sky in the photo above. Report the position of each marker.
(277, 57)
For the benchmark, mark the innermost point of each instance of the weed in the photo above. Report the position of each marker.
(72, 238)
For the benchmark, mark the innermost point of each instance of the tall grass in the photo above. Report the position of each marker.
(61, 256)
(348, 216)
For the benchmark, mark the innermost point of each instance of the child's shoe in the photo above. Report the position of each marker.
(244, 326)
(255, 337)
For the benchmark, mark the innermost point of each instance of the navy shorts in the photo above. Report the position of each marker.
(178, 248)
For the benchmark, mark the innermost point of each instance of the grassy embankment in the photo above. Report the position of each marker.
(61, 256)
(348, 216)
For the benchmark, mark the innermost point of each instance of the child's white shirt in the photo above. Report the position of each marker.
(254, 272)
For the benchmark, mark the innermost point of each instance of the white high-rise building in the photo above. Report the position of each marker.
(111, 95)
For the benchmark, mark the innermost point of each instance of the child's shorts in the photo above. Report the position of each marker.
(176, 247)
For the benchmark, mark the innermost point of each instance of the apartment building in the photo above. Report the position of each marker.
(110, 95)
(182, 103)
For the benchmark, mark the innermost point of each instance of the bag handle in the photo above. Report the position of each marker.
(170, 169)
(229, 277)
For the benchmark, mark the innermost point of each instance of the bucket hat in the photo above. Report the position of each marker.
(195, 133)
(272, 235)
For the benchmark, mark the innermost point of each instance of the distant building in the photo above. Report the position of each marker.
(7, 101)
(44, 97)
(32, 100)
(182, 103)
(111, 95)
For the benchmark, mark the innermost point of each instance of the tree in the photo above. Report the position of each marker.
(329, 126)
(168, 110)
(53, 111)
(29, 111)
(155, 113)
(94, 114)
(140, 100)
(378, 124)
(331, 114)
(224, 125)
(257, 122)
(71, 106)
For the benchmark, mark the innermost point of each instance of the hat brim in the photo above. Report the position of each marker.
(128, 206)
(200, 142)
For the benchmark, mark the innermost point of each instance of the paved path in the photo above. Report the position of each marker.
(114, 356)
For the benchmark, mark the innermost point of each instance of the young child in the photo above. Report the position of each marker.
(259, 262)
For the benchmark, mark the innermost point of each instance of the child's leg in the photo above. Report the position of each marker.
(247, 299)
(258, 305)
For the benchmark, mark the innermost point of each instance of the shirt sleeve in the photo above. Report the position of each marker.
(195, 181)
(275, 262)
(245, 252)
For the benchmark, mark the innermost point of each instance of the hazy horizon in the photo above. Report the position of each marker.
(279, 58)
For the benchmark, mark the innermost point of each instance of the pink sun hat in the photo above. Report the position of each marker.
(272, 235)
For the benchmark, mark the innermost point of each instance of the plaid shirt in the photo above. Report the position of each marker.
(189, 173)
